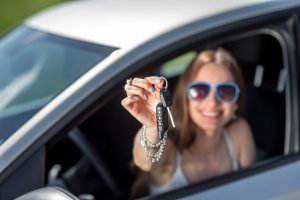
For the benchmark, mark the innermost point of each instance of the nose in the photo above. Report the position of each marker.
(211, 99)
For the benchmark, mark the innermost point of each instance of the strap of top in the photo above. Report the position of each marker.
(177, 180)
(234, 160)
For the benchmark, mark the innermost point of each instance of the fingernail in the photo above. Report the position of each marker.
(151, 89)
(136, 98)
(145, 96)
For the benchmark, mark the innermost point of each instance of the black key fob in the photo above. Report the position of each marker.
(162, 119)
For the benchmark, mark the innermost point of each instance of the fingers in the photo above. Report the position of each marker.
(140, 87)
(136, 109)
(144, 84)
(127, 102)
(136, 92)
(142, 97)
(158, 82)
(149, 84)
(143, 87)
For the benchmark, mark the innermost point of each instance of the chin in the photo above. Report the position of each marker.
(210, 128)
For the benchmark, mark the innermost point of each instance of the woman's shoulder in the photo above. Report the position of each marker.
(240, 132)
(242, 139)
(239, 127)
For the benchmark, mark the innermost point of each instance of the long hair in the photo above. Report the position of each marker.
(185, 128)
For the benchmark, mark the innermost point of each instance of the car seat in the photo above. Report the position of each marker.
(265, 112)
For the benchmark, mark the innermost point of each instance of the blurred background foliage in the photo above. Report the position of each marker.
(13, 12)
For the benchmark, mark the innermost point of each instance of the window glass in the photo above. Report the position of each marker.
(34, 68)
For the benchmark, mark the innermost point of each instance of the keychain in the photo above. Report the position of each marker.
(155, 151)
(163, 111)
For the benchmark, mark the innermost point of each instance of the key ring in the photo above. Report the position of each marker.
(166, 81)
(129, 81)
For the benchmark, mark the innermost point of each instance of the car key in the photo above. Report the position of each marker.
(162, 120)
(166, 100)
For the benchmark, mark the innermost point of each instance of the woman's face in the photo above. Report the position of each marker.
(211, 115)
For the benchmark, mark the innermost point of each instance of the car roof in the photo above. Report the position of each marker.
(125, 24)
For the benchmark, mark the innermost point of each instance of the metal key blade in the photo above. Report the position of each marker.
(171, 117)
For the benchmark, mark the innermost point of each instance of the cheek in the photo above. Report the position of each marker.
(228, 112)
(195, 113)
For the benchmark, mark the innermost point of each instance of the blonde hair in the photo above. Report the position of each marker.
(185, 128)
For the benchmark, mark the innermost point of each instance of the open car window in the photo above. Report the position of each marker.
(265, 75)
(110, 130)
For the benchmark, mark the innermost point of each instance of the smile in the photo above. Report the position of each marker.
(211, 113)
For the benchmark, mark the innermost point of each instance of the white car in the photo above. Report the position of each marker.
(62, 75)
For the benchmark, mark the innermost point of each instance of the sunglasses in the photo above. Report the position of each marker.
(226, 92)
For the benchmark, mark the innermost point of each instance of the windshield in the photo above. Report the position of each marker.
(36, 66)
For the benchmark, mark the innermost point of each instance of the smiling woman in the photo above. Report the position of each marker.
(209, 140)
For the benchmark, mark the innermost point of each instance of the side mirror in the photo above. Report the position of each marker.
(48, 193)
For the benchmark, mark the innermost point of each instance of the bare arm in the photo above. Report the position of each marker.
(243, 141)
(142, 98)
(140, 154)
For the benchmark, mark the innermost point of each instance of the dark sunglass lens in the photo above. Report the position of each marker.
(198, 92)
(226, 92)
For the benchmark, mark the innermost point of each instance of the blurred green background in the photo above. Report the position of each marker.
(13, 12)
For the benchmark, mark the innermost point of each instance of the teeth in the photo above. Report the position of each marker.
(211, 114)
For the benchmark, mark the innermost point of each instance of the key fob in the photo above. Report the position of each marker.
(162, 119)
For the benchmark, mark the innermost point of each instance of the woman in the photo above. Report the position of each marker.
(210, 139)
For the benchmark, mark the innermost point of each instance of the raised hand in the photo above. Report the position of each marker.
(142, 98)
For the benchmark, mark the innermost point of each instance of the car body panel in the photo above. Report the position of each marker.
(269, 186)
